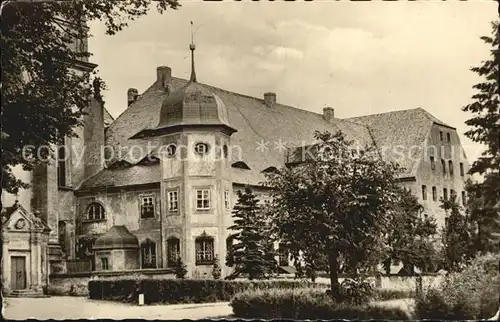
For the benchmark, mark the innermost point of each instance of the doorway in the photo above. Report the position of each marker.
(18, 272)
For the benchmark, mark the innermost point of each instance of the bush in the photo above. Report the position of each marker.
(356, 291)
(71, 290)
(305, 303)
(216, 270)
(469, 295)
(170, 291)
(180, 269)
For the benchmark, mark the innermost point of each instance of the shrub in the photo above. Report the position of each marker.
(216, 270)
(356, 291)
(471, 294)
(180, 269)
(391, 294)
(305, 303)
(170, 291)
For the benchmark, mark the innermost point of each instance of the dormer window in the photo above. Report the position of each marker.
(171, 150)
(201, 148)
(240, 165)
(95, 211)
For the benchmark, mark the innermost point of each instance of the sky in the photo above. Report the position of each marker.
(359, 58)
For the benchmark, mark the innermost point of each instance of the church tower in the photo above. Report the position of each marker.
(196, 183)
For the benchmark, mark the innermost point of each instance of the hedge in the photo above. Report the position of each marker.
(171, 291)
(305, 304)
(468, 295)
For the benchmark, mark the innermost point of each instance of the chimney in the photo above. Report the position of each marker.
(328, 113)
(164, 77)
(132, 95)
(270, 99)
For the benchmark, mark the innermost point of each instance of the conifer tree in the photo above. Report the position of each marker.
(180, 269)
(216, 270)
(250, 251)
(458, 236)
(485, 129)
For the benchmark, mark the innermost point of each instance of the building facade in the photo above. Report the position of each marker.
(160, 181)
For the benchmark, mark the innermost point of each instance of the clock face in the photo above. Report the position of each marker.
(20, 224)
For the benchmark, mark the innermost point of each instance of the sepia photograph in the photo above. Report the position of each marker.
(229, 159)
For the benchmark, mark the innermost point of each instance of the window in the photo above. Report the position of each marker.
(203, 199)
(433, 164)
(450, 166)
(283, 255)
(424, 192)
(204, 250)
(441, 136)
(434, 194)
(201, 148)
(104, 264)
(148, 254)
(445, 194)
(225, 151)
(229, 251)
(464, 198)
(173, 251)
(61, 166)
(147, 207)
(95, 211)
(443, 165)
(227, 204)
(173, 201)
(448, 137)
(453, 194)
(462, 172)
(171, 150)
(446, 220)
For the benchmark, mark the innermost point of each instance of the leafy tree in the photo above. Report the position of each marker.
(216, 270)
(485, 129)
(410, 241)
(335, 204)
(251, 252)
(458, 236)
(46, 84)
(180, 269)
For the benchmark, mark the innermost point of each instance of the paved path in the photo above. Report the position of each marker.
(65, 307)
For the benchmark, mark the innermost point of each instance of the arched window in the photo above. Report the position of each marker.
(173, 251)
(148, 254)
(204, 250)
(95, 211)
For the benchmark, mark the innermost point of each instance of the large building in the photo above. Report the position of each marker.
(160, 181)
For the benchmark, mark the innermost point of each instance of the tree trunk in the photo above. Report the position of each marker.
(334, 275)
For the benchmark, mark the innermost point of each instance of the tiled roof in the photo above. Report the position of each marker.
(254, 121)
(108, 119)
(395, 133)
(124, 176)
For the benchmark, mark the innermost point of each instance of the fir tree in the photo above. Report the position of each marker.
(250, 252)
(458, 237)
(485, 129)
(180, 269)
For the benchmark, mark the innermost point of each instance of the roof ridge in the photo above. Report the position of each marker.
(388, 112)
(260, 99)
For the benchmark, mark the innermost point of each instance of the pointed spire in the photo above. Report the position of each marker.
(192, 47)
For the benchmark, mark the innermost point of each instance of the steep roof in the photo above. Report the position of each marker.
(396, 132)
(108, 119)
(259, 131)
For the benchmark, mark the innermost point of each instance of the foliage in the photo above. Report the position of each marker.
(180, 269)
(216, 270)
(468, 295)
(458, 237)
(410, 241)
(67, 290)
(251, 252)
(485, 129)
(356, 291)
(305, 303)
(392, 294)
(47, 81)
(171, 291)
(336, 205)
